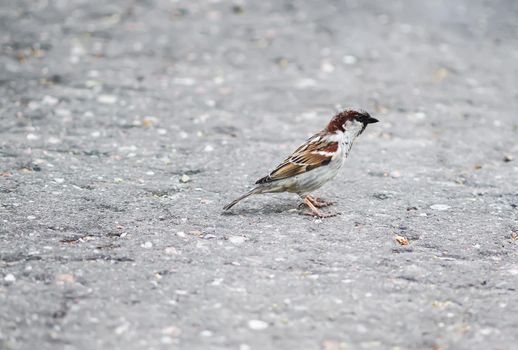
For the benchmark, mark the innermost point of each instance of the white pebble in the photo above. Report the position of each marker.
(486, 331)
(327, 67)
(184, 81)
(305, 83)
(420, 115)
(32, 137)
(59, 180)
(53, 140)
(395, 174)
(166, 340)
(107, 99)
(440, 207)
(237, 240)
(62, 112)
(147, 245)
(206, 333)
(31, 217)
(9, 278)
(180, 234)
(257, 325)
(33, 105)
(185, 178)
(50, 100)
(171, 251)
(208, 148)
(348, 59)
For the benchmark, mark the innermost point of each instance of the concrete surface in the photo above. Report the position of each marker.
(127, 125)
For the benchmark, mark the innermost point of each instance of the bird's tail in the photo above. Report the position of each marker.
(235, 201)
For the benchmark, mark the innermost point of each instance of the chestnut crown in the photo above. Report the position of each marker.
(338, 122)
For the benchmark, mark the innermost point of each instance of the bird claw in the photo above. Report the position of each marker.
(313, 204)
(321, 203)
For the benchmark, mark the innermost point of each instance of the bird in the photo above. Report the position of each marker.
(315, 162)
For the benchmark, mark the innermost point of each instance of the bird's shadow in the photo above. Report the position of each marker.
(266, 209)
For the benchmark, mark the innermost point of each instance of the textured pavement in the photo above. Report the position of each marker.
(127, 125)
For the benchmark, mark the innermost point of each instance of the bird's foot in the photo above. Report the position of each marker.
(321, 203)
(310, 202)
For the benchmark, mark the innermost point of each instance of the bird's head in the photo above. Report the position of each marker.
(350, 121)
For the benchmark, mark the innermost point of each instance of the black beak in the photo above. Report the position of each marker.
(367, 119)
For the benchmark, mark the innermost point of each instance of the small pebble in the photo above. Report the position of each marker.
(196, 233)
(420, 115)
(237, 240)
(348, 59)
(9, 278)
(305, 83)
(173, 331)
(32, 137)
(147, 122)
(180, 234)
(206, 333)
(147, 245)
(440, 207)
(49, 100)
(257, 325)
(53, 140)
(327, 67)
(208, 148)
(166, 340)
(59, 180)
(107, 99)
(62, 112)
(395, 174)
(184, 81)
(508, 158)
(64, 278)
(401, 240)
(171, 251)
(185, 178)
(31, 217)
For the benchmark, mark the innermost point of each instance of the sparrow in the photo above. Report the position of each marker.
(315, 162)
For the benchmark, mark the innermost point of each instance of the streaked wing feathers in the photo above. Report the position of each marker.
(313, 154)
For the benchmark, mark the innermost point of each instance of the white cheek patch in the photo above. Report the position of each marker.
(353, 126)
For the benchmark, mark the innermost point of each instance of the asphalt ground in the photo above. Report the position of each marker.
(127, 125)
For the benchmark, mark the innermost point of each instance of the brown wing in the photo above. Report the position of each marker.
(311, 155)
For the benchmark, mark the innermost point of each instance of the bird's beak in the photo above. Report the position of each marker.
(371, 120)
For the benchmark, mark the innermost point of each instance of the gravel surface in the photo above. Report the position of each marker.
(127, 125)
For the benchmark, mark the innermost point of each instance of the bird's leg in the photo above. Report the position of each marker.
(314, 210)
(319, 202)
